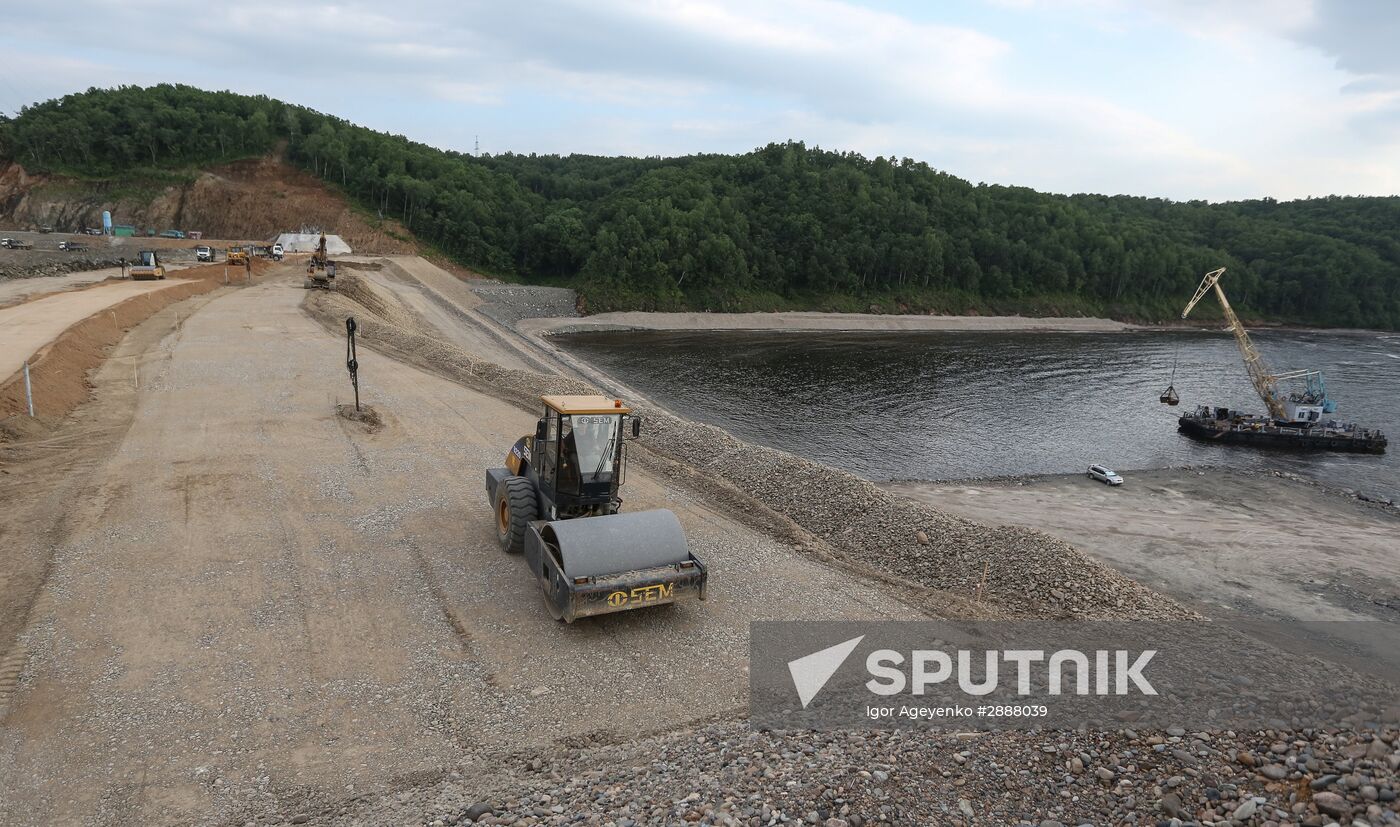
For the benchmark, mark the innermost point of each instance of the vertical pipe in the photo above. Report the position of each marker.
(28, 390)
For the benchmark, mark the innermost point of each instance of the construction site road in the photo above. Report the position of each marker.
(255, 602)
(27, 327)
(13, 291)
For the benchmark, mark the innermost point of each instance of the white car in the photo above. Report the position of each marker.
(1105, 475)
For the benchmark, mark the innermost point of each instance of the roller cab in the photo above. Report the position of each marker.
(557, 502)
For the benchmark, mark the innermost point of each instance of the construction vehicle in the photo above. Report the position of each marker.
(147, 267)
(320, 271)
(236, 255)
(557, 502)
(1295, 417)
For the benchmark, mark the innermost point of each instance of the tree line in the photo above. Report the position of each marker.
(784, 226)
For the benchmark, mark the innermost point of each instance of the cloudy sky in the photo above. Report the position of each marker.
(1175, 98)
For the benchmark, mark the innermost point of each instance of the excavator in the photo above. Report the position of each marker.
(556, 501)
(320, 271)
(1296, 417)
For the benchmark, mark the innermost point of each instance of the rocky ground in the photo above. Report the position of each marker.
(511, 303)
(727, 773)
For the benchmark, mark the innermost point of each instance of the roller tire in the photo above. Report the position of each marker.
(516, 505)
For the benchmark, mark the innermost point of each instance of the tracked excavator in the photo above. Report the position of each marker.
(556, 502)
(320, 271)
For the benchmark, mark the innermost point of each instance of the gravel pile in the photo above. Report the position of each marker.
(509, 303)
(16, 270)
(730, 774)
(1020, 572)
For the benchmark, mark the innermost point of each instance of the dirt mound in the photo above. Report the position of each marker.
(254, 199)
(366, 416)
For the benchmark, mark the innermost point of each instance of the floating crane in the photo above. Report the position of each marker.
(1295, 419)
(1302, 406)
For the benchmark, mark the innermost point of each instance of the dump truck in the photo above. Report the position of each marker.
(147, 267)
(557, 502)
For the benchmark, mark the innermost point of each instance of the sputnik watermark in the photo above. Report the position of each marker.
(1123, 675)
(1028, 674)
(1116, 672)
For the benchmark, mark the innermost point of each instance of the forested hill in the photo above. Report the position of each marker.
(783, 226)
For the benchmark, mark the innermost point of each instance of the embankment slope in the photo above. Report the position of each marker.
(1018, 572)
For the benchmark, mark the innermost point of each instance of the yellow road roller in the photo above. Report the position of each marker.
(147, 267)
(556, 502)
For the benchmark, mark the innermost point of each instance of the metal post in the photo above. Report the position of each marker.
(28, 390)
(351, 362)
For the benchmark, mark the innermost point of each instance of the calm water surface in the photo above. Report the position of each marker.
(940, 406)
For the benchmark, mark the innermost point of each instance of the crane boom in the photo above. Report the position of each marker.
(1265, 383)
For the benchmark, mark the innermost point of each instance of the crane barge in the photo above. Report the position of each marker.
(1296, 419)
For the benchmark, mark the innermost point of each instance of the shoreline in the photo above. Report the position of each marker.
(1219, 540)
(1376, 501)
(809, 322)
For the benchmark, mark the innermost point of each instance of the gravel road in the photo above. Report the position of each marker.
(256, 602)
(27, 327)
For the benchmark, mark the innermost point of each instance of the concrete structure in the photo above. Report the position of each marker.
(306, 243)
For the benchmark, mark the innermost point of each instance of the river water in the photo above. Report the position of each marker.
(941, 406)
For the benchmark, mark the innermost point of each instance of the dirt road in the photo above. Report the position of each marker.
(1215, 540)
(255, 602)
(27, 327)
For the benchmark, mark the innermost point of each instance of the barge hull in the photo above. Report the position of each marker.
(1288, 439)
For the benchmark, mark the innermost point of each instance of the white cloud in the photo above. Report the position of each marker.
(1228, 100)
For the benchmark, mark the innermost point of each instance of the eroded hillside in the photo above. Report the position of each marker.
(255, 198)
